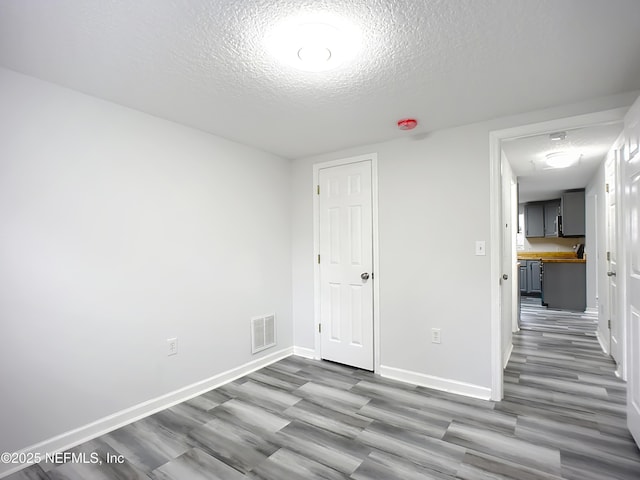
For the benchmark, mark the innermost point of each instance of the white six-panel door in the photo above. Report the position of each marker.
(632, 247)
(346, 260)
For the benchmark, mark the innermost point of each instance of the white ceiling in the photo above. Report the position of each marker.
(536, 182)
(203, 63)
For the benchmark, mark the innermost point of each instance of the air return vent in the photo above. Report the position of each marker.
(263, 332)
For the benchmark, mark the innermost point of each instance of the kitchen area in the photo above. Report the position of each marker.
(550, 255)
(559, 211)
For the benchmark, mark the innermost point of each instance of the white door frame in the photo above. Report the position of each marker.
(620, 301)
(495, 139)
(515, 271)
(373, 157)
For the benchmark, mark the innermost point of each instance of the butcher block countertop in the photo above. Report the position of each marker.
(564, 260)
(551, 257)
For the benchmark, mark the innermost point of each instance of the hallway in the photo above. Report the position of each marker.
(566, 396)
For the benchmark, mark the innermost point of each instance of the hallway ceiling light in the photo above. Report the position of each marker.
(557, 136)
(561, 159)
(313, 44)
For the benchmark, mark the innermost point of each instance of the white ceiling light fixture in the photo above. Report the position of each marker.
(316, 41)
(313, 43)
(561, 159)
(557, 136)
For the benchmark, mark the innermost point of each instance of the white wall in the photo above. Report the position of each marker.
(424, 214)
(433, 206)
(119, 230)
(551, 244)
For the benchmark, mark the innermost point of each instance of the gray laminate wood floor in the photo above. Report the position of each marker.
(563, 416)
(536, 317)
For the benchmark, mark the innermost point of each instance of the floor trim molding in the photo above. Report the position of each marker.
(305, 352)
(507, 356)
(601, 342)
(119, 419)
(437, 383)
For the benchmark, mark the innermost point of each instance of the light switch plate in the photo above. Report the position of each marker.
(435, 335)
(480, 247)
(172, 346)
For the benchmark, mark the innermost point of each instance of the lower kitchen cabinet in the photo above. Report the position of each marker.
(565, 285)
(529, 277)
(522, 277)
(535, 283)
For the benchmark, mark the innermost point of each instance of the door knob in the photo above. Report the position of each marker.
(505, 277)
(364, 276)
(611, 274)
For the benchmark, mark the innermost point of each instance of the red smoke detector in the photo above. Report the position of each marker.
(407, 123)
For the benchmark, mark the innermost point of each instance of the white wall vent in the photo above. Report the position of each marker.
(263, 332)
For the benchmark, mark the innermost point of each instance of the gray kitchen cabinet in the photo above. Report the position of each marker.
(541, 219)
(522, 277)
(529, 277)
(565, 286)
(573, 213)
(533, 280)
(551, 212)
(534, 220)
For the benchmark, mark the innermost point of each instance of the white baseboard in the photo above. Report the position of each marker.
(119, 419)
(304, 352)
(507, 356)
(437, 383)
(603, 345)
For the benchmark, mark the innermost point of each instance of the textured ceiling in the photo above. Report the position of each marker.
(445, 62)
(539, 183)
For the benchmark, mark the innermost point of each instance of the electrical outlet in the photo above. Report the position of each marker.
(435, 335)
(172, 346)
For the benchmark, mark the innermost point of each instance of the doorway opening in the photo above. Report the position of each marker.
(554, 184)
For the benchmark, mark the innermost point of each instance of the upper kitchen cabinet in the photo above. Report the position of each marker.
(573, 214)
(551, 213)
(534, 220)
(541, 219)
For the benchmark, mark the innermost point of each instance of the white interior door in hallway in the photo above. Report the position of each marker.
(346, 262)
(508, 282)
(631, 177)
(611, 191)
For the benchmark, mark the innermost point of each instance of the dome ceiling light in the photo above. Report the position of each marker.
(313, 44)
(561, 159)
